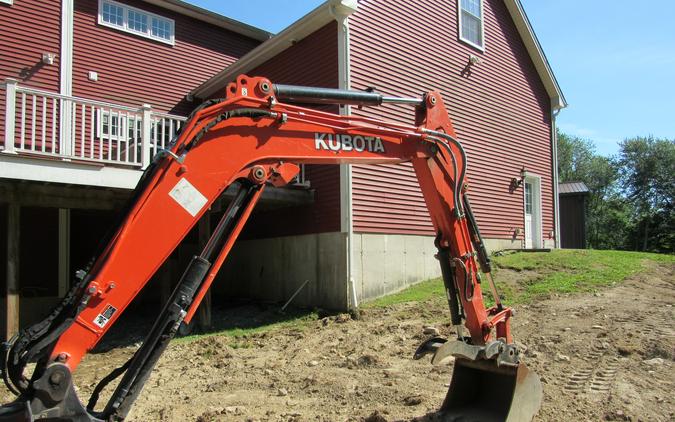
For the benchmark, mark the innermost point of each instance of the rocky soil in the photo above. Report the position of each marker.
(601, 356)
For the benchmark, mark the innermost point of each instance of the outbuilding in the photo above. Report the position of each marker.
(573, 205)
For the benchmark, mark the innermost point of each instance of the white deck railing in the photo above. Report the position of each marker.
(56, 126)
(53, 126)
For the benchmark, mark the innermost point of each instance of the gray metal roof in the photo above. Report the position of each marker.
(572, 187)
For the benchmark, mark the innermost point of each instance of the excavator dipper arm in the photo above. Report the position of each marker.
(251, 139)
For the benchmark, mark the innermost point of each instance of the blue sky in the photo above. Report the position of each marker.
(614, 59)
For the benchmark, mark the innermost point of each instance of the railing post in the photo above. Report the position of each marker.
(146, 135)
(10, 114)
(66, 128)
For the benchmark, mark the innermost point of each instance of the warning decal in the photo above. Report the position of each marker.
(188, 197)
(102, 319)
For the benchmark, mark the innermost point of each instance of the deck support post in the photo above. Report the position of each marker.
(12, 291)
(64, 251)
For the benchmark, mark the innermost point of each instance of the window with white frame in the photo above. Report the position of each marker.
(471, 28)
(129, 19)
(113, 125)
(6, 1)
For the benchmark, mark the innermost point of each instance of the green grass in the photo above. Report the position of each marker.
(419, 292)
(543, 273)
(536, 274)
(239, 334)
(570, 271)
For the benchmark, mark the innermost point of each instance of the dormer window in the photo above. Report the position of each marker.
(471, 29)
(135, 21)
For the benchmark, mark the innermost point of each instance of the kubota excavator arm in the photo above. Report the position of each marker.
(252, 139)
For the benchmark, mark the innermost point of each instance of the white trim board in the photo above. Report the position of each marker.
(537, 236)
(68, 172)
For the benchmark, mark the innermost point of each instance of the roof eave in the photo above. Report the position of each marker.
(536, 53)
(213, 18)
(302, 28)
(322, 15)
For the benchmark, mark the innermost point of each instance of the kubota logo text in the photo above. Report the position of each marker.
(343, 142)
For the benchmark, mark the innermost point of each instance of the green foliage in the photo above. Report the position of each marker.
(647, 168)
(607, 221)
(631, 196)
(574, 158)
(559, 271)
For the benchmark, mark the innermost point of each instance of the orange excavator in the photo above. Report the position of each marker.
(256, 137)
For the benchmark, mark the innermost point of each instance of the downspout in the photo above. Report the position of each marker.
(341, 10)
(555, 110)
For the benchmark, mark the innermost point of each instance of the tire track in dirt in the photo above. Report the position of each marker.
(591, 351)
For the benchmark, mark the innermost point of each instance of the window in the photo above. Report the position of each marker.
(528, 198)
(136, 21)
(108, 126)
(161, 28)
(471, 23)
(114, 125)
(6, 1)
(113, 14)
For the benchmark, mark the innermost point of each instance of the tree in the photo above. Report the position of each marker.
(607, 220)
(574, 155)
(647, 174)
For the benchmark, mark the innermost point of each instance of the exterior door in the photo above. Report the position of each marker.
(529, 209)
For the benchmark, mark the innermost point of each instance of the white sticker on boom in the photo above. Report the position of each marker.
(104, 317)
(188, 197)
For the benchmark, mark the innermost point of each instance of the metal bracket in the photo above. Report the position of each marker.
(500, 352)
(179, 159)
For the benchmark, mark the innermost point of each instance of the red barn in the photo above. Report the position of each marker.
(502, 95)
(94, 88)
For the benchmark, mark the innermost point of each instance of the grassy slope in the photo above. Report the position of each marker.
(537, 273)
(558, 271)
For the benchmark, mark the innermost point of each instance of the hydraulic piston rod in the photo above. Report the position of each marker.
(306, 94)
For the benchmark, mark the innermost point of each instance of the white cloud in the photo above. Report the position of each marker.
(605, 145)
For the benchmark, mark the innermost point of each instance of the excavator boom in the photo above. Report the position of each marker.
(253, 139)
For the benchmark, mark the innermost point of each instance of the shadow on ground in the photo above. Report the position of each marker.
(137, 321)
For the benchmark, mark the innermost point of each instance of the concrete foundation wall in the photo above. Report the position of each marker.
(385, 263)
(494, 245)
(273, 269)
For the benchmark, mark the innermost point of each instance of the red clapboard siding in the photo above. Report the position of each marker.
(133, 70)
(28, 29)
(313, 61)
(500, 111)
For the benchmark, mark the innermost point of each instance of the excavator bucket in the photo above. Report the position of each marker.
(482, 391)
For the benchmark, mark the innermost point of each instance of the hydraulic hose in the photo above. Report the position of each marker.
(462, 174)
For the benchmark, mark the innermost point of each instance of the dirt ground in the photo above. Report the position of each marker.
(601, 356)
